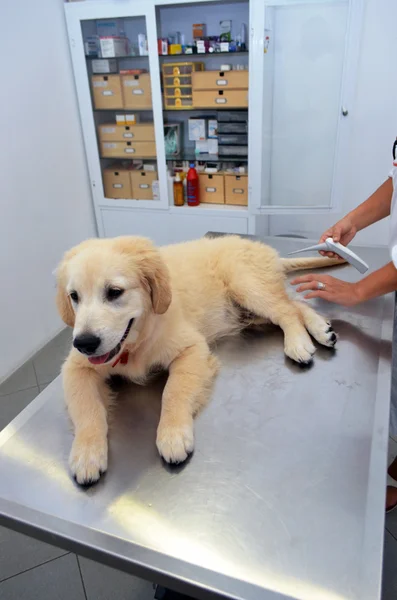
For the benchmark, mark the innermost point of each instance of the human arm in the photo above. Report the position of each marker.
(380, 282)
(375, 208)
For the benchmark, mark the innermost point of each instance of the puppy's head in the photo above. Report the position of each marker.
(107, 288)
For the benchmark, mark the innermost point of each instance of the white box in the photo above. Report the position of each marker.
(142, 45)
(212, 128)
(113, 46)
(197, 130)
(104, 66)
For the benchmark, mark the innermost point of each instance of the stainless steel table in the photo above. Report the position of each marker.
(283, 497)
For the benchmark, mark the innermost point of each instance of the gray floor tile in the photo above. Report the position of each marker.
(103, 583)
(11, 405)
(56, 580)
(389, 584)
(49, 360)
(19, 553)
(22, 379)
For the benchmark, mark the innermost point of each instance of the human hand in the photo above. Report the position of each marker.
(343, 231)
(335, 290)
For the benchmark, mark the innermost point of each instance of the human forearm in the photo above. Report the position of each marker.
(382, 281)
(375, 208)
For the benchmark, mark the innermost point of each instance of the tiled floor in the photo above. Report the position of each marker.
(31, 570)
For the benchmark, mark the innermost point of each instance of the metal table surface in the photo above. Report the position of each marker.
(283, 497)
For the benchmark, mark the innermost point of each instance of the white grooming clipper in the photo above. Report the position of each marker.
(330, 246)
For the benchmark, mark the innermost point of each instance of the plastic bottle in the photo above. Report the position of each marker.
(178, 191)
(193, 198)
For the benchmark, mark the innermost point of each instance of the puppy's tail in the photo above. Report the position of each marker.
(299, 264)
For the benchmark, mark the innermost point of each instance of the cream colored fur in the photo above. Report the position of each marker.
(182, 297)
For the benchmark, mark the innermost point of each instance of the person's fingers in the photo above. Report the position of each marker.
(336, 233)
(313, 285)
(319, 294)
(302, 279)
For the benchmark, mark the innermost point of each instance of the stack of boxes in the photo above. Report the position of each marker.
(220, 89)
(127, 141)
(130, 91)
(177, 83)
(233, 133)
(129, 183)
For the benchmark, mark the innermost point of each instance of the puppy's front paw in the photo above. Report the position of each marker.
(300, 349)
(88, 459)
(175, 443)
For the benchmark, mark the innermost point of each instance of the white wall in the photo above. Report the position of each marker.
(45, 198)
(374, 126)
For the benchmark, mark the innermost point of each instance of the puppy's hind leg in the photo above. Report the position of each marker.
(268, 298)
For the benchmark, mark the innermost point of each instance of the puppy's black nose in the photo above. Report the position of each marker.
(86, 343)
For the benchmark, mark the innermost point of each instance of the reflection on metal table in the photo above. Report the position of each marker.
(283, 497)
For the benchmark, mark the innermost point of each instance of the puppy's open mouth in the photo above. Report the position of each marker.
(104, 358)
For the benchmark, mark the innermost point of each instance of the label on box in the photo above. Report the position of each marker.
(131, 83)
(109, 145)
(144, 186)
(220, 100)
(221, 82)
(117, 185)
(210, 189)
(238, 191)
(137, 92)
(108, 130)
(107, 93)
(100, 83)
(129, 150)
(128, 135)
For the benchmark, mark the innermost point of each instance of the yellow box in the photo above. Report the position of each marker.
(141, 132)
(220, 98)
(117, 183)
(182, 68)
(128, 149)
(213, 80)
(141, 184)
(106, 91)
(137, 93)
(211, 188)
(236, 189)
(175, 49)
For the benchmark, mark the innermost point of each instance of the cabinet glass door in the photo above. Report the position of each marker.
(115, 84)
(301, 126)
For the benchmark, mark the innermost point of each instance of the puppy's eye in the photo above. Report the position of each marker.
(113, 293)
(74, 296)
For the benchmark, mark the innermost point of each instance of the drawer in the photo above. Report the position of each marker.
(128, 149)
(141, 184)
(233, 151)
(182, 68)
(212, 188)
(220, 98)
(177, 81)
(212, 80)
(137, 91)
(117, 183)
(178, 103)
(178, 92)
(233, 138)
(232, 127)
(142, 132)
(232, 116)
(236, 190)
(106, 91)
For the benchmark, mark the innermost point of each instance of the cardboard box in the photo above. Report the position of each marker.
(236, 189)
(128, 149)
(199, 30)
(212, 80)
(142, 132)
(112, 47)
(106, 91)
(142, 184)
(117, 183)
(220, 98)
(197, 131)
(137, 91)
(212, 190)
(104, 65)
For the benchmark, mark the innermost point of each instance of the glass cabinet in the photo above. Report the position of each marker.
(253, 94)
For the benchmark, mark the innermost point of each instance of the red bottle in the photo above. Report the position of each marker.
(193, 198)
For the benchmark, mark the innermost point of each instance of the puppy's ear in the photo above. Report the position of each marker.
(62, 298)
(154, 273)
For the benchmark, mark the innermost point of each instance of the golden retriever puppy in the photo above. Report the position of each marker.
(134, 307)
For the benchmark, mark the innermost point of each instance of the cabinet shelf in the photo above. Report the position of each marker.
(192, 156)
(197, 55)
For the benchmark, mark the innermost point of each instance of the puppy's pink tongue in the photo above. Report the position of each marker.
(98, 360)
